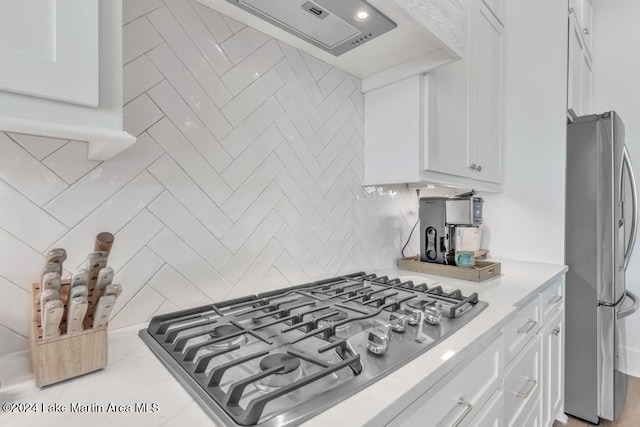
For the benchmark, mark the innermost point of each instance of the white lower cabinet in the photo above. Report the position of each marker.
(552, 335)
(516, 380)
(459, 397)
(522, 383)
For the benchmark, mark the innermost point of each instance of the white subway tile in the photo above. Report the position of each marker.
(190, 230)
(335, 145)
(102, 182)
(11, 342)
(240, 107)
(244, 134)
(303, 107)
(138, 76)
(292, 244)
(314, 66)
(250, 280)
(335, 215)
(299, 225)
(175, 288)
(331, 103)
(335, 240)
(299, 197)
(190, 264)
(252, 187)
(134, 275)
(178, 183)
(132, 9)
(252, 157)
(111, 216)
(243, 43)
(39, 146)
(139, 310)
(140, 114)
(234, 25)
(15, 306)
(138, 37)
(213, 20)
(300, 146)
(271, 281)
(252, 248)
(201, 101)
(335, 169)
(71, 162)
(251, 68)
(27, 221)
(299, 172)
(246, 225)
(192, 128)
(338, 257)
(332, 196)
(297, 118)
(26, 174)
(290, 269)
(338, 119)
(331, 80)
(199, 34)
(132, 238)
(306, 79)
(19, 263)
(185, 155)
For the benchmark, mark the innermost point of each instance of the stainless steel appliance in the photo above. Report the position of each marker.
(439, 217)
(336, 26)
(279, 358)
(601, 225)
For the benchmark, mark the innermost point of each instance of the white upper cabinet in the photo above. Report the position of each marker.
(444, 127)
(580, 61)
(50, 49)
(61, 72)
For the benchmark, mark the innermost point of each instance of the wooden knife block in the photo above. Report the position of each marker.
(66, 356)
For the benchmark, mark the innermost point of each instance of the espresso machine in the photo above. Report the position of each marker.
(439, 218)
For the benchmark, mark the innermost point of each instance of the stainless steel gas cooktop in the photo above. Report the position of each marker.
(281, 357)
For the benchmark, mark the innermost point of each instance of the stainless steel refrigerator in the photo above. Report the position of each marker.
(601, 225)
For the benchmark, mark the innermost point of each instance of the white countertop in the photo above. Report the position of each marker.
(135, 376)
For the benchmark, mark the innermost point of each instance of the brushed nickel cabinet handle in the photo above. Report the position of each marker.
(527, 393)
(473, 166)
(555, 331)
(479, 168)
(527, 327)
(554, 299)
(469, 408)
(585, 31)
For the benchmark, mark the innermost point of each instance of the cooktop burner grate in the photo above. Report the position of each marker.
(280, 357)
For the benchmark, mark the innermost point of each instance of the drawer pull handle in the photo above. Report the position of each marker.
(555, 331)
(469, 408)
(527, 393)
(554, 299)
(527, 327)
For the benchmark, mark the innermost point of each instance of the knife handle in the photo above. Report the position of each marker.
(103, 311)
(79, 277)
(113, 289)
(44, 297)
(52, 315)
(105, 277)
(95, 262)
(50, 281)
(104, 242)
(79, 291)
(76, 310)
(57, 256)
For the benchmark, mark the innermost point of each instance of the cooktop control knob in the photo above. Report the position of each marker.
(413, 315)
(398, 322)
(378, 341)
(432, 314)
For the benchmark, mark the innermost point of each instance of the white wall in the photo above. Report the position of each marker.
(245, 177)
(616, 86)
(526, 221)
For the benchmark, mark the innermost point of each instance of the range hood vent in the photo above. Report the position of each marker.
(336, 26)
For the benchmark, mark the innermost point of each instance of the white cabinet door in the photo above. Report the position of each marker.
(585, 80)
(575, 68)
(50, 49)
(486, 96)
(552, 365)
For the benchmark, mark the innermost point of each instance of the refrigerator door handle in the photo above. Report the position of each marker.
(634, 202)
(629, 310)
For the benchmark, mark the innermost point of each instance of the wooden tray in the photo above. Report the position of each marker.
(482, 271)
(66, 356)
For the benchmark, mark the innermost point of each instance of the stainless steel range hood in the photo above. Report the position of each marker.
(336, 26)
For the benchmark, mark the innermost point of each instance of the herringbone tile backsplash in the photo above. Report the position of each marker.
(246, 176)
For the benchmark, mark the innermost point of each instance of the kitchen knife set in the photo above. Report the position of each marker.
(91, 294)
